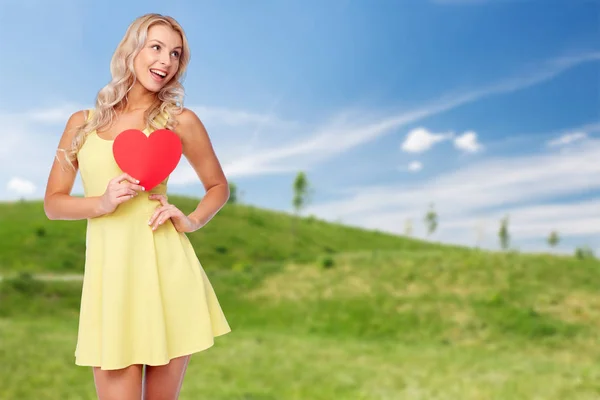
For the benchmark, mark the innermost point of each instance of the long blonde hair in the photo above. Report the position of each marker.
(169, 100)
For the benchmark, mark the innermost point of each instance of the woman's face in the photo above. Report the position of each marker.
(158, 61)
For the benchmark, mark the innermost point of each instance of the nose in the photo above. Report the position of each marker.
(165, 59)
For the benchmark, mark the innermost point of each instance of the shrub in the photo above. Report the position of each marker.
(326, 262)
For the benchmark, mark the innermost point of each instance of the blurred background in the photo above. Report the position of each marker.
(415, 209)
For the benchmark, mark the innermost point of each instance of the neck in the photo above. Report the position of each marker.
(138, 98)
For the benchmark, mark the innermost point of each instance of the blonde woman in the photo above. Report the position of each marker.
(146, 302)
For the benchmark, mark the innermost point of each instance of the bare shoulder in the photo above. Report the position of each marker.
(189, 125)
(75, 120)
(198, 148)
(78, 117)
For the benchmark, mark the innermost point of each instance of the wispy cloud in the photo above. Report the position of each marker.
(468, 142)
(343, 132)
(484, 191)
(568, 138)
(21, 187)
(238, 118)
(415, 166)
(420, 139)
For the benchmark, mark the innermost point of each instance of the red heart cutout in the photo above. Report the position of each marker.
(150, 159)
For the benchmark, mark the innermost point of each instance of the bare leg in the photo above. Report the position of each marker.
(163, 382)
(120, 384)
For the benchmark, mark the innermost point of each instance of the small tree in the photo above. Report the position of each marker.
(503, 233)
(233, 193)
(480, 233)
(408, 227)
(553, 239)
(300, 192)
(301, 195)
(431, 220)
(584, 252)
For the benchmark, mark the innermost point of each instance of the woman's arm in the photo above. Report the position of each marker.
(58, 202)
(199, 151)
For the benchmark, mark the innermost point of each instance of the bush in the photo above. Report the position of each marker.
(326, 262)
(25, 283)
(221, 249)
(241, 266)
(583, 253)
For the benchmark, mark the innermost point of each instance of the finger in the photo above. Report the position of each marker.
(124, 198)
(160, 218)
(125, 191)
(160, 197)
(171, 212)
(166, 215)
(135, 187)
(125, 177)
(156, 213)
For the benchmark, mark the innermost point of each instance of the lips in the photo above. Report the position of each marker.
(158, 74)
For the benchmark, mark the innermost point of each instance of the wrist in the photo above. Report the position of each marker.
(98, 207)
(196, 221)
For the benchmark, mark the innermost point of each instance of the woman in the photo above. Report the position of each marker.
(146, 300)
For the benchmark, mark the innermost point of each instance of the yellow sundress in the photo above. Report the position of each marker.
(145, 297)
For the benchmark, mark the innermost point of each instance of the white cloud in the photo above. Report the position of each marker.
(347, 131)
(53, 115)
(468, 142)
(415, 166)
(567, 139)
(21, 187)
(485, 191)
(238, 118)
(420, 139)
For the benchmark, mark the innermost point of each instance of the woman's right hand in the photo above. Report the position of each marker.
(117, 192)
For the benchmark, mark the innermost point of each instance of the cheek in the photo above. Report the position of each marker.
(141, 61)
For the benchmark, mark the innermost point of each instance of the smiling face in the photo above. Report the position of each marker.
(158, 61)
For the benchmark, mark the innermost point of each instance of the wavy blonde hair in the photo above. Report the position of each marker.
(169, 100)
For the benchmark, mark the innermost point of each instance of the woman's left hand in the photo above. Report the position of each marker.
(182, 222)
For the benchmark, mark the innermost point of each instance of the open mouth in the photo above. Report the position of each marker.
(158, 74)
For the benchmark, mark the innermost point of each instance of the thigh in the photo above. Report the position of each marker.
(163, 382)
(119, 384)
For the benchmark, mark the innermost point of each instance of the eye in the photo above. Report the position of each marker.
(155, 45)
(176, 53)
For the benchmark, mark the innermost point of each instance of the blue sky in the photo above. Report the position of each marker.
(482, 107)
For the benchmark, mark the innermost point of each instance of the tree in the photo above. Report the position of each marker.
(584, 252)
(431, 220)
(408, 227)
(301, 196)
(480, 233)
(503, 233)
(301, 192)
(553, 239)
(233, 194)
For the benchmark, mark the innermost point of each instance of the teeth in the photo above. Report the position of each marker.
(158, 72)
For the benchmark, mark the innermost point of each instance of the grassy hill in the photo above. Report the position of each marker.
(239, 234)
(386, 318)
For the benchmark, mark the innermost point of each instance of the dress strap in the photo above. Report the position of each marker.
(88, 114)
(161, 119)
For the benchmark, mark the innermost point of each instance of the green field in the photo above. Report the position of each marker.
(331, 313)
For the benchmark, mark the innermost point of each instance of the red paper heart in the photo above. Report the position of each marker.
(150, 159)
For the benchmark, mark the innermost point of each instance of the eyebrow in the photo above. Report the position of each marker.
(156, 40)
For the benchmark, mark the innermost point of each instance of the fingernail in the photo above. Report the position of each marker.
(143, 189)
(137, 181)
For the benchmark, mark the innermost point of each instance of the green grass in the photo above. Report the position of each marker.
(415, 321)
(237, 235)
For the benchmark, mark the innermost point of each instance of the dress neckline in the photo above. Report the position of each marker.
(95, 133)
